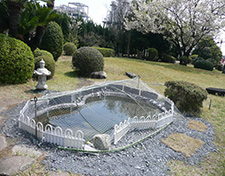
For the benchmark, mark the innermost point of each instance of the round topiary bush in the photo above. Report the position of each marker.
(168, 58)
(196, 59)
(52, 40)
(184, 60)
(203, 64)
(47, 57)
(88, 60)
(69, 48)
(187, 97)
(16, 61)
(152, 54)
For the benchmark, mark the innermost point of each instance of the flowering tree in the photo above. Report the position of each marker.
(184, 22)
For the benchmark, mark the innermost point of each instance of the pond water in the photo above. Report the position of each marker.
(97, 115)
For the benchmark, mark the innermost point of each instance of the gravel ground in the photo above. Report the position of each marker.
(146, 158)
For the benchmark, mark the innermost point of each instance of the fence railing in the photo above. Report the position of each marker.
(51, 134)
(142, 123)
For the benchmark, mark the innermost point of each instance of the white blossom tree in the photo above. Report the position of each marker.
(184, 22)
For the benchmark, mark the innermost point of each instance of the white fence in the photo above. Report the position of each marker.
(51, 134)
(142, 123)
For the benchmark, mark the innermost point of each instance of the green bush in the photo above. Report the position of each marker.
(192, 57)
(152, 54)
(88, 60)
(16, 61)
(52, 40)
(168, 58)
(219, 67)
(106, 52)
(203, 64)
(184, 60)
(187, 97)
(47, 57)
(69, 48)
(197, 59)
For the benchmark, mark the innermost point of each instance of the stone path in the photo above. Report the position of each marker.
(20, 157)
(3, 143)
(13, 164)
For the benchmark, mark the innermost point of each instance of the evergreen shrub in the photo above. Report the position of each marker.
(106, 52)
(16, 61)
(203, 64)
(152, 54)
(196, 59)
(187, 97)
(184, 60)
(168, 58)
(87, 60)
(47, 57)
(69, 48)
(52, 40)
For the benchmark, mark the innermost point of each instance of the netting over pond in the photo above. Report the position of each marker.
(104, 117)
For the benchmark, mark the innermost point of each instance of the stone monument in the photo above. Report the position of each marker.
(42, 74)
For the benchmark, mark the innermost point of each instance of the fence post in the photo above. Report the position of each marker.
(35, 107)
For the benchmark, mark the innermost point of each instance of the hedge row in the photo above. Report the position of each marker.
(106, 52)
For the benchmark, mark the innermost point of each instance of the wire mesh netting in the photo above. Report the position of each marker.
(105, 117)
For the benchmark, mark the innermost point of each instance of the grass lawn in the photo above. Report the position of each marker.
(155, 74)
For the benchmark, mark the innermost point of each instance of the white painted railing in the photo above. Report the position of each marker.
(121, 130)
(51, 134)
(142, 123)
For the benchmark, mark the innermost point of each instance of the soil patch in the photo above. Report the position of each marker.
(197, 125)
(183, 143)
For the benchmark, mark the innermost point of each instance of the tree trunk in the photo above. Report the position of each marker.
(36, 41)
(14, 10)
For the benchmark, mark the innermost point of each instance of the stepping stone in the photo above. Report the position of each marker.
(3, 143)
(25, 151)
(14, 164)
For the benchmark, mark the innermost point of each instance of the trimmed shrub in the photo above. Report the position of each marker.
(187, 97)
(69, 48)
(47, 57)
(219, 67)
(184, 60)
(203, 64)
(106, 52)
(197, 59)
(52, 40)
(16, 61)
(192, 57)
(152, 54)
(88, 60)
(168, 58)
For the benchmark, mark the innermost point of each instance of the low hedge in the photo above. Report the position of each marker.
(203, 64)
(106, 52)
(187, 97)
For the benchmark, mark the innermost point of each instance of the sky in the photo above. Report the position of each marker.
(98, 10)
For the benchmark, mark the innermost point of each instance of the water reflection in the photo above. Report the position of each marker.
(98, 115)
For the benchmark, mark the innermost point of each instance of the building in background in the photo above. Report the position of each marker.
(74, 9)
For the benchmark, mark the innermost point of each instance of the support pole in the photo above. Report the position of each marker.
(35, 107)
(210, 104)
